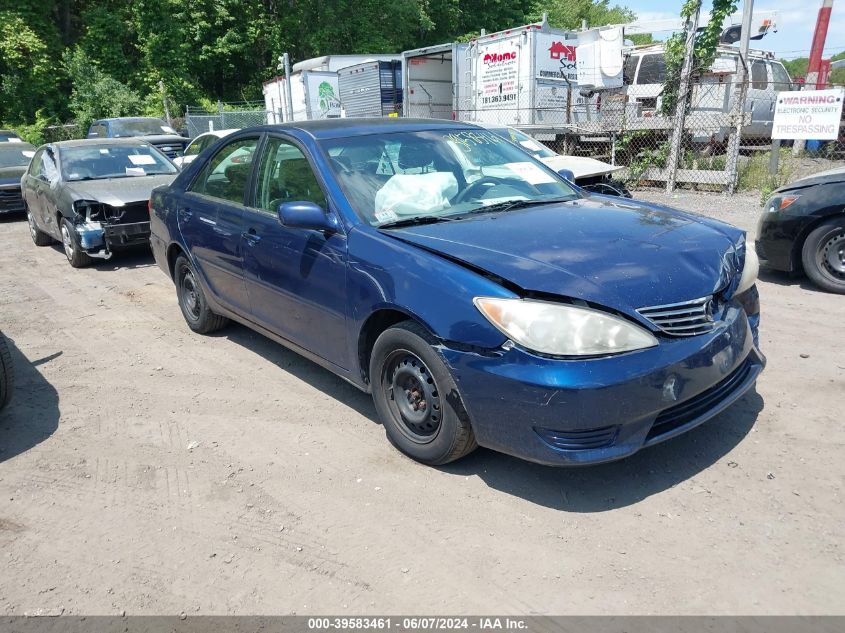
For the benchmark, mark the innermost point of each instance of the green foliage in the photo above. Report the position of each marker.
(95, 94)
(91, 58)
(754, 173)
(704, 48)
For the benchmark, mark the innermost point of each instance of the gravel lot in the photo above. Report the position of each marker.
(147, 469)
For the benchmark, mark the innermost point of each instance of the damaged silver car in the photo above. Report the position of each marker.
(92, 195)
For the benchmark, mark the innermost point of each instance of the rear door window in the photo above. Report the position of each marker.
(780, 78)
(759, 75)
(226, 175)
(652, 70)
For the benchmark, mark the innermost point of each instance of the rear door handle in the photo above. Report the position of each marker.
(251, 237)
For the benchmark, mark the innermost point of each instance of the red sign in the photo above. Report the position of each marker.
(558, 49)
(495, 58)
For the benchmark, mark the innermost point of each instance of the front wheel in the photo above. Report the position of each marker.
(823, 255)
(192, 300)
(417, 398)
(77, 257)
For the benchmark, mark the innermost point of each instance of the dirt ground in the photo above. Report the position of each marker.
(150, 470)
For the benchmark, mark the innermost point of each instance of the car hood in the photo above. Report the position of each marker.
(118, 191)
(822, 178)
(580, 166)
(11, 175)
(617, 254)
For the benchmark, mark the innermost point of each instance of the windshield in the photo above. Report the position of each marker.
(94, 162)
(528, 144)
(140, 127)
(17, 155)
(390, 178)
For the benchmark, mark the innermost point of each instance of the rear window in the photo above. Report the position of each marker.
(652, 70)
(629, 70)
(759, 76)
(780, 78)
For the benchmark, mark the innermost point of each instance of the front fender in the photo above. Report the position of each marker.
(386, 273)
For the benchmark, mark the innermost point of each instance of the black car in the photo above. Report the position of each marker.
(7, 372)
(154, 131)
(803, 229)
(14, 157)
(92, 195)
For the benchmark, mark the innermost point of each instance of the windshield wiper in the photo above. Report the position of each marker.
(420, 219)
(510, 205)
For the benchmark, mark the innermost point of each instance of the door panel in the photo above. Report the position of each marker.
(296, 278)
(210, 217)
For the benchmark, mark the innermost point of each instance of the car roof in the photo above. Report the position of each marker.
(341, 128)
(82, 142)
(218, 133)
(128, 118)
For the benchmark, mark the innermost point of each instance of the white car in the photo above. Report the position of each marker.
(588, 173)
(199, 143)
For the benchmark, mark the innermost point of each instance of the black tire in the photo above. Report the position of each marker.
(7, 373)
(77, 257)
(823, 255)
(428, 422)
(192, 301)
(39, 237)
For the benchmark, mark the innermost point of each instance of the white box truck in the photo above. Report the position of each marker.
(437, 82)
(314, 88)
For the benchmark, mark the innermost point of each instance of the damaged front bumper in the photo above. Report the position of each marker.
(575, 412)
(101, 239)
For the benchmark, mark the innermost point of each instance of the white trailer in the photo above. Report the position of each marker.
(314, 88)
(437, 82)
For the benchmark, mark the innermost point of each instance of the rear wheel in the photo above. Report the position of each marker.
(416, 397)
(7, 373)
(73, 250)
(823, 255)
(192, 300)
(39, 237)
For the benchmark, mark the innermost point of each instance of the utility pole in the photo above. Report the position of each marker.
(740, 90)
(814, 63)
(164, 101)
(690, 28)
(286, 61)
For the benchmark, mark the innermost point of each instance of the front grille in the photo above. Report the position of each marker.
(579, 440)
(696, 406)
(11, 200)
(170, 149)
(688, 318)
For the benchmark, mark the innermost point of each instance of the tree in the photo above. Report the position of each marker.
(95, 94)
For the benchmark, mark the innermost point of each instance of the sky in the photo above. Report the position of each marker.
(795, 25)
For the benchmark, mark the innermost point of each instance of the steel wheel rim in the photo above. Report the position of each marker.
(832, 255)
(190, 295)
(66, 242)
(33, 231)
(412, 396)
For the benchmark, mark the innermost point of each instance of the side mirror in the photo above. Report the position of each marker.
(307, 215)
(567, 175)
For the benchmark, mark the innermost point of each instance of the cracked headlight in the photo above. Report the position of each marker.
(563, 330)
(750, 270)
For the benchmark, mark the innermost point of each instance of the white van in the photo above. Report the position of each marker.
(645, 71)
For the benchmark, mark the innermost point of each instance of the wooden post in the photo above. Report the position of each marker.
(740, 90)
(774, 157)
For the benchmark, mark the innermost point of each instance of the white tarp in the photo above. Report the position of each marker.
(808, 115)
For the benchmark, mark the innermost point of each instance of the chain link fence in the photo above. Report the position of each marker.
(199, 119)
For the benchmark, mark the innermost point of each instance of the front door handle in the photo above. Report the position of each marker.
(185, 214)
(251, 237)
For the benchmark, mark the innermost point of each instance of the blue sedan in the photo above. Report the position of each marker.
(479, 297)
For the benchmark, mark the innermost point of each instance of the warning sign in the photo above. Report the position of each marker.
(808, 115)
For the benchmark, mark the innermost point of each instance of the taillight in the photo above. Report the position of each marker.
(150, 206)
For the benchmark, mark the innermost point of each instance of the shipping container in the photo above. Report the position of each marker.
(314, 94)
(371, 89)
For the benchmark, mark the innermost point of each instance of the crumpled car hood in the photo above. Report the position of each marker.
(621, 254)
(580, 166)
(118, 191)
